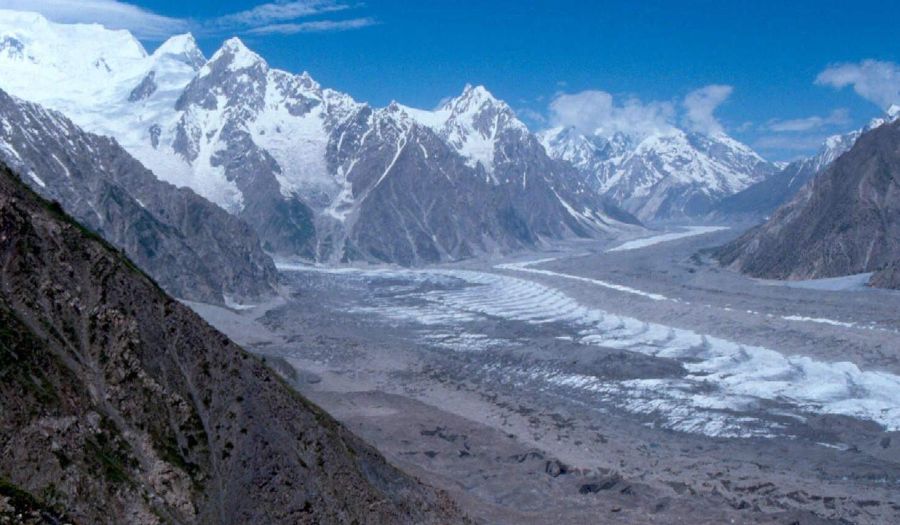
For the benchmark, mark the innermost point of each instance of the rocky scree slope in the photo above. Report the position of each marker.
(120, 405)
(194, 249)
(845, 221)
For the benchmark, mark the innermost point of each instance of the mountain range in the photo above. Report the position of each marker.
(664, 175)
(315, 173)
(304, 171)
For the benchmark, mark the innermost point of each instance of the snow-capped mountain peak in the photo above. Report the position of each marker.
(472, 123)
(665, 174)
(83, 70)
(476, 91)
(836, 145)
(67, 46)
(235, 56)
(315, 172)
(235, 76)
(893, 112)
(480, 110)
(763, 198)
(182, 48)
(568, 144)
(890, 115)
(472, 99)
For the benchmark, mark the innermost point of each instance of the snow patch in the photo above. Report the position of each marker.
(666, 237)
(526, 267)
(37, 180)
(819, 320)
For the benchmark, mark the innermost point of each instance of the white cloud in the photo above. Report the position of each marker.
(275, 12)
(532, 116)
(700, 106)
(875, 81)
(318, 26)
(596, 112)
(837, 117)
(279, 17)
(110, 13)
(793, 142)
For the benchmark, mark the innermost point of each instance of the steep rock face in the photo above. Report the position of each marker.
(191, 247)
(414, 181)
(245, 126)
(845, 221)
(397, 207)
(309, 168)
(122, 406)
(666, 175)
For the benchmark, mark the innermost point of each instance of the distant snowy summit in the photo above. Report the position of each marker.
(668, 174)
(316, 173)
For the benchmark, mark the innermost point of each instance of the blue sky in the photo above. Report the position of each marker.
(552, 59)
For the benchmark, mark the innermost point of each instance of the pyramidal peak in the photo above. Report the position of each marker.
(473, 98)
(183, 48)
(478, 91)
(396, 110)
(237, 55)
(235, 45)
(893, 112)
(177, 44)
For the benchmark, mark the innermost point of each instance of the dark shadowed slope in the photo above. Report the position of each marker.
(119, 405)
(846, 221)
(759, 201)
(192, 247)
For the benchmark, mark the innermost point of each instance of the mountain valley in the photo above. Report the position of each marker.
(628, 272)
